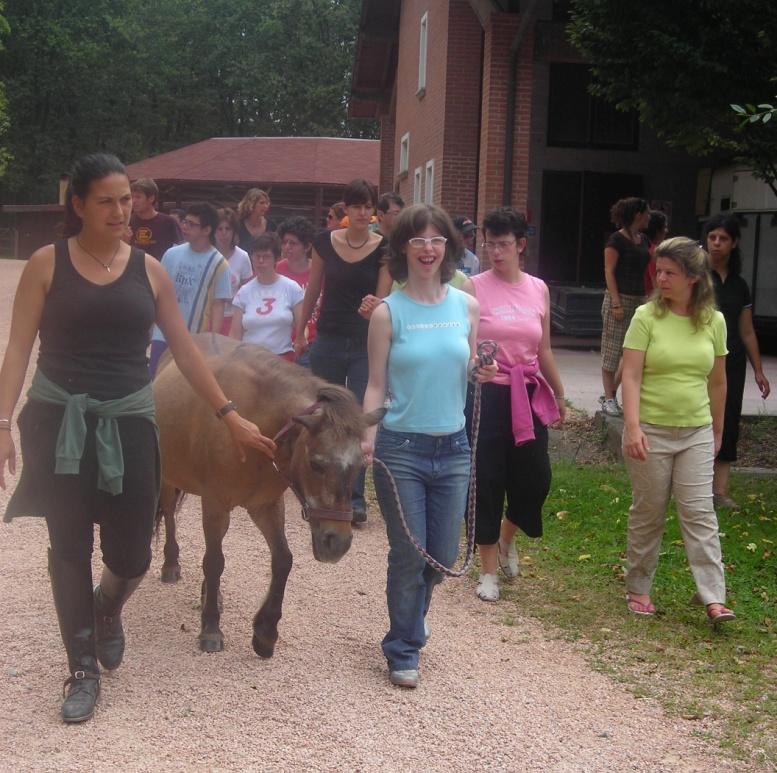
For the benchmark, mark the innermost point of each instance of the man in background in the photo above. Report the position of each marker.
(390, 204)
(469, 263)
(150, 230)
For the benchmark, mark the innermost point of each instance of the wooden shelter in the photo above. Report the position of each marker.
(303, 175)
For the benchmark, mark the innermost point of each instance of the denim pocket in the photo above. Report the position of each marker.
(462, 445)
(392, 441)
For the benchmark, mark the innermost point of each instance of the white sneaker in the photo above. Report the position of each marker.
(508, 559)
(406, 677)
(488, 588)
(611, 408)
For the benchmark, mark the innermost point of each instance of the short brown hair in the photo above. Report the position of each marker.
(266, 241)
(229, 216)
(409, 223)
(148, 186)
(360, 191)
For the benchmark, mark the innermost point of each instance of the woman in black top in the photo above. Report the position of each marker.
(88, 433)
(349, 264)
(625, 259)
(252, 211)
(721, 237)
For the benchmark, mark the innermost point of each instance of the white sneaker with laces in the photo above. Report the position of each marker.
(488, 588)
(611, 408)
(508, 559)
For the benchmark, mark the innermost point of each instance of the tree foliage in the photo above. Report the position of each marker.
(682, 65)
(139, 78)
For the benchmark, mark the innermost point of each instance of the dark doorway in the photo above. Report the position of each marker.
(576, 222)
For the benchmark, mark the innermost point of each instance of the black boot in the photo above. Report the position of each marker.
(71, 586)
(109, 598)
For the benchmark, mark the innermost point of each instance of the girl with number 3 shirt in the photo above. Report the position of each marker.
(267, 308)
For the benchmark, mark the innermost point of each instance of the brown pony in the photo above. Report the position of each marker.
(319, 454)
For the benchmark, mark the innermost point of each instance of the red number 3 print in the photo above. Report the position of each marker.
(266, 308)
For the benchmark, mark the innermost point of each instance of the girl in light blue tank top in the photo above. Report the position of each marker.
(429, 348)
(421, 342)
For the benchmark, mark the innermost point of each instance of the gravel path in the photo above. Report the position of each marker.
(493, 696)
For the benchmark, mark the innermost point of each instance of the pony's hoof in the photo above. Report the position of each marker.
(211, 642)
(171, 573)
(262, 647)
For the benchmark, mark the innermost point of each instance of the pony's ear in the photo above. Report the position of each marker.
(312, 421)
(373, 417)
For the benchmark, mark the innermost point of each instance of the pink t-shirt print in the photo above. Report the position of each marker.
(512, 315)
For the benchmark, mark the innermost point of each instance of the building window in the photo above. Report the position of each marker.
(578, 120)
(422, 47)
(429, 183)
(417, 185)
(404, 153)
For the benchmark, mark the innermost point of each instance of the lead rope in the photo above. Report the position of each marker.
(486, 352)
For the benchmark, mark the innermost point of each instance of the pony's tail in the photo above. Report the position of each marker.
(175, 505)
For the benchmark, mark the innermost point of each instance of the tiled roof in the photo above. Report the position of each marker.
(316, 160)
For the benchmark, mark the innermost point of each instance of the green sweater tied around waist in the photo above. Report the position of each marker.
(72, 431)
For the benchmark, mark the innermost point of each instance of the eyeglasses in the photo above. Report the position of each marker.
(501, 246)
(192, 223)
(438, 242)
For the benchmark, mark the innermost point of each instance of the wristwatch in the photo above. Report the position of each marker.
(225, 409)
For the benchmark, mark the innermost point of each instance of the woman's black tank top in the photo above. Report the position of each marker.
(345, 284)
(93, 338)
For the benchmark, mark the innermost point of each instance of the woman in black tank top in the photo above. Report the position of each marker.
(93, 300)
(349, 264)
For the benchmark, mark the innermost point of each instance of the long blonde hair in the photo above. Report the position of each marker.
(246, 206)
(693, 262)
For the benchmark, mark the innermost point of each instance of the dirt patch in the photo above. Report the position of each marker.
(758, 442)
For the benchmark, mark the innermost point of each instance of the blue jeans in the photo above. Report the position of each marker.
(431, 474)
(343, 360)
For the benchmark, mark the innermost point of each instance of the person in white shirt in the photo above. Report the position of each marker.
(269, 307)
(240, 268)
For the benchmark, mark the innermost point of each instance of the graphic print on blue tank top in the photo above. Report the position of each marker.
(427, 364)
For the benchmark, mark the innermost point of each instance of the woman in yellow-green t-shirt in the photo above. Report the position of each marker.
(674, 392)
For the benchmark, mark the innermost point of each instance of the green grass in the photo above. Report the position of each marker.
(573, 579)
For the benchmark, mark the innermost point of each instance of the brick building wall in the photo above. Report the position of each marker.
(387, 145)
(458, 170)
(499, 33)
(421, 114)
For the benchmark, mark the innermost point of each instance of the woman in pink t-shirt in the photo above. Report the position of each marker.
(516, 408)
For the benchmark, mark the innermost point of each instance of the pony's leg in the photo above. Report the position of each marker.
(270, 520)
(171, 569)
(215, 523)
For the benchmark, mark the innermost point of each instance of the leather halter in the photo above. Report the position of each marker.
(308, 512)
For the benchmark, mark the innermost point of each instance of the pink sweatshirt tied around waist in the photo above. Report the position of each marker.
(542, 403)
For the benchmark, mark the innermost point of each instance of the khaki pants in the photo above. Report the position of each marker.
(679, 463)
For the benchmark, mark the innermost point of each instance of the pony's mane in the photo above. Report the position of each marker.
(342, 414)
(341, 411)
